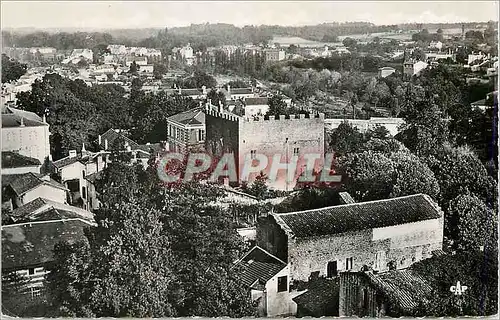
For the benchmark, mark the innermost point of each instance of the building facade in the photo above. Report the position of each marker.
(379, 235)
(186, 130)
(25, 133)
(280, 138)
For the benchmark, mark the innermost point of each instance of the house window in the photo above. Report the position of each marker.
(296, 151)
(348, 263)
(282, 284)
(331, 269)
(201, 135)
(36, 292)
(252, 154)
(31, 271)
(380, 260)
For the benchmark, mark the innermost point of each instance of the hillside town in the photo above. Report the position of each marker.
(256, 172)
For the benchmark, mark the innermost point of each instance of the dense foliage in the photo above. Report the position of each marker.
(154, 253)
(11, 69)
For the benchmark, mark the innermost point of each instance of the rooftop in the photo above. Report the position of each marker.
(31, 244)
(15, 160)
(258, 267)
(193, 116)
(22, 183)
(38, 208)
(12, 117)
(405, 288)
(358, 216)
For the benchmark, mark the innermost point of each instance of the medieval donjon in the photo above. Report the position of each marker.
(288, 136)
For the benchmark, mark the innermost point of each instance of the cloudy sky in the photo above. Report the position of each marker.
(132, 14)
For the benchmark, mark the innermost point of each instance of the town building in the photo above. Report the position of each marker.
(141, 61)
(274, 137)
(187, 54)
(392, 125)
(186, 130)
(42, 209)
(238, 93)
(413, 68)
(15, 163)
(267, 278)
(379, 235)
(437, 45)
(394, 293)
(25, 133)
(19, 189)
(27, 249)
(274, 55)
(385, 72)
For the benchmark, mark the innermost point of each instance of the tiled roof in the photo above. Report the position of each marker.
(15, 160)
(22, 183)
(256, 101)
(32, 244)
(358, 216)
(11, 118)
(111, 135)
(64, 162)
(319, 297)
(404, 288)
(33, 209)
(193, 116)
(259, 265)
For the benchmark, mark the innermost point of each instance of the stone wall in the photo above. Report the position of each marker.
(403, 244)
(271, 238)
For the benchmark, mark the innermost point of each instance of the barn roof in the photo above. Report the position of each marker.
(358, 216)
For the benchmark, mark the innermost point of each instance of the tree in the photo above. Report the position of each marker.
(368, 175)
(133, 68)
(11, 69)
(412, 176)
(475, 269)
(259, 187)
(349, 42)
(424, 129)
(345, 139)
(277, 106)
(155, 252)
(459, 171)
(471, 224)
(159, 70)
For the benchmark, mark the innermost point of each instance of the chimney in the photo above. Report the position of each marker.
(204, 89)
(100, 140)
(44, 119)
(45, 178)
(180, 90)
(105, 144)
(83, 147)
(72, 153)
(228, 89)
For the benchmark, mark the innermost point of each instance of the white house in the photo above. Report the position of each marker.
(385, 72)
(436, 45)
(268, 279)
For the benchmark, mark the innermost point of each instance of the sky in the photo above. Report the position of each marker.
(144, 14)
